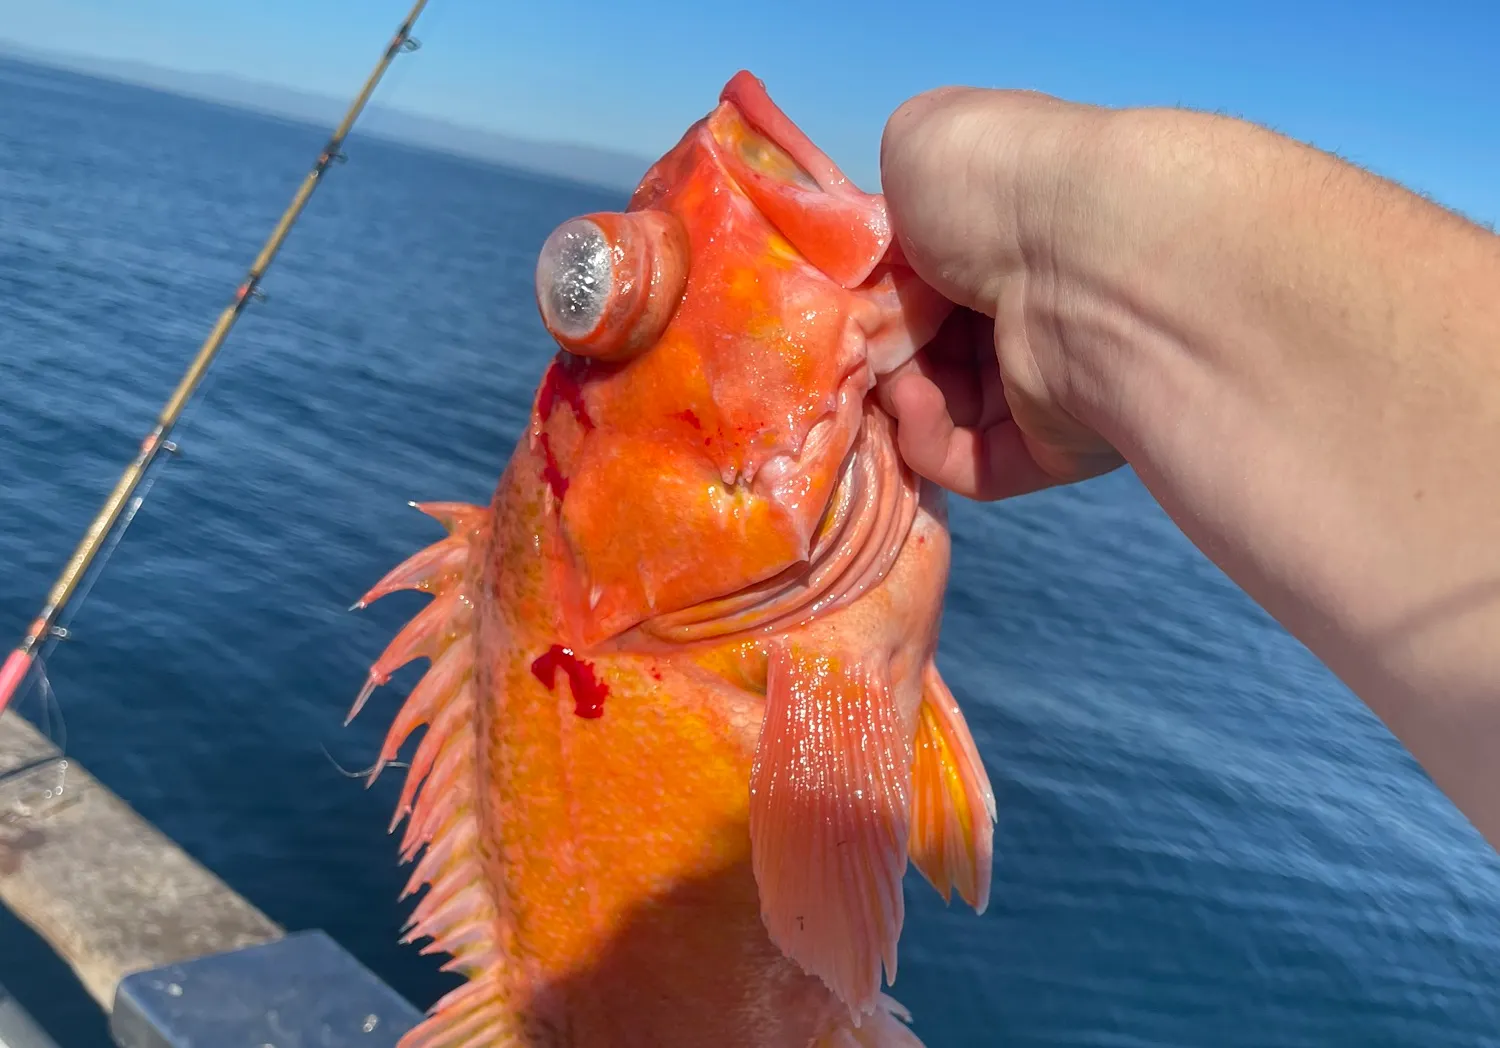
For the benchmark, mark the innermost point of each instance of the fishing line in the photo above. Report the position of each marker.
(174, 449)
(51, 702)
(19, 808)
(368, 773)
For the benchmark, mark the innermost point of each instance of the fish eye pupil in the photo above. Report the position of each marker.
(575, 277)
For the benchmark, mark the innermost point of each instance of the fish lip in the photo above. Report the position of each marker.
(748, 95)
(799, 190)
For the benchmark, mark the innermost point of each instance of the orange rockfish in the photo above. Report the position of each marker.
(684, 728)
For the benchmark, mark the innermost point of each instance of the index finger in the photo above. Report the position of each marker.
(981, 463)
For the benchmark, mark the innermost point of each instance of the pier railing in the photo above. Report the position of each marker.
(167, 949)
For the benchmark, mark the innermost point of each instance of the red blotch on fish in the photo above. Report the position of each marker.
(550, 473)
(561, 384)
(690, 418)
(589, 692)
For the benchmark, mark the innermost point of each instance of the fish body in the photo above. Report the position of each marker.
(684, 727)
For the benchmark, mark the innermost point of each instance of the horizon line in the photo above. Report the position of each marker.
(446, 136)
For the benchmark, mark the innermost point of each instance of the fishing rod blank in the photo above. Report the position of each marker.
(15, 668)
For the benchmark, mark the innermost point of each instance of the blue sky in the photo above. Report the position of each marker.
(1410, 89)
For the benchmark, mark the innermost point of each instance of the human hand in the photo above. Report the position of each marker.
(976, 182)
(1296, 356)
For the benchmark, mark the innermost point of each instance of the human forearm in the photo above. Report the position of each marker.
(1302, 362)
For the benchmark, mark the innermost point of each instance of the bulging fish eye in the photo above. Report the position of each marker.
(608, 283)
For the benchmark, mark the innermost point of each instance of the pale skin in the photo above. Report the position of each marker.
(1300, 360)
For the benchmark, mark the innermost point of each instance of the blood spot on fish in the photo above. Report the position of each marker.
(550, 473)
(561, 384)
(690, 418)
(589, 692)
(656, 673)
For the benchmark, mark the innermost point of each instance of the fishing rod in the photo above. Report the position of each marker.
(15, 668)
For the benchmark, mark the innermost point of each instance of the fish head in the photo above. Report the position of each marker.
(719, 339)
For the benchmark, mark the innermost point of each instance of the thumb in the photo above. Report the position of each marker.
(968, 176)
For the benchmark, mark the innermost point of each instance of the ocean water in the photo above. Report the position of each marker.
(1204, 840)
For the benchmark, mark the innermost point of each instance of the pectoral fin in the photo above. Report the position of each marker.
(953, 804)
(830, 794)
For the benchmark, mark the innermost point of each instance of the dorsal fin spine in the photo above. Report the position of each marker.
(459, 912)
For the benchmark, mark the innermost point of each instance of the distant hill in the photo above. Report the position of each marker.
(600, 167)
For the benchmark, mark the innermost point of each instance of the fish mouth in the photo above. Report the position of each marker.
(861, 533)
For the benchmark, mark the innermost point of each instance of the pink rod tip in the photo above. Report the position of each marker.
(11, 676)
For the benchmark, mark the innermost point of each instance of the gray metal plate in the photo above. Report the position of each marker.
(17, 1030)
(303, 991)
